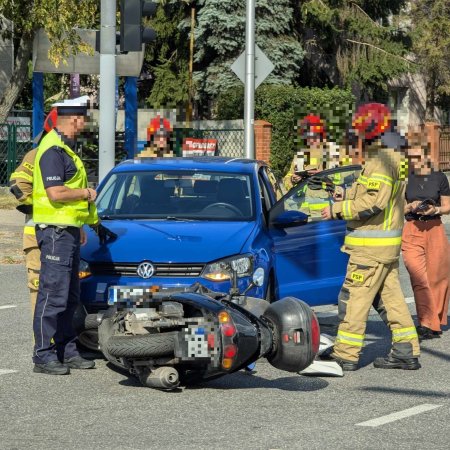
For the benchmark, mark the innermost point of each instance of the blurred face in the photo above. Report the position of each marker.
(161, 141)
(313, 140)
(418, 159)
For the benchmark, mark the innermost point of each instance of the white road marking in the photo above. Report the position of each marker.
(6, 371)
(8, 306)
(398, 415)
(409, 299)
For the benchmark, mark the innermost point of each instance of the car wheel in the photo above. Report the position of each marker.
(89, 339)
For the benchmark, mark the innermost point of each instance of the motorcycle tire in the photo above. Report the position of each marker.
(90, 322)
(147, 345)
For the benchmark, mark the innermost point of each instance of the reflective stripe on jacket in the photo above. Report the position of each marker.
(74, 213)
(373, 208)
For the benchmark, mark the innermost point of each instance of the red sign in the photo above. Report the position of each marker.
(199, 147)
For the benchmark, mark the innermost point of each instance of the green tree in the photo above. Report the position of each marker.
(167, 59)
(220, 38)
(430, 20)
(59, 18)
(354, 43)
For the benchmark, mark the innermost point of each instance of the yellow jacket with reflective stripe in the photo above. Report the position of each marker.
(74, 213)
(21, 180)
(373, 208)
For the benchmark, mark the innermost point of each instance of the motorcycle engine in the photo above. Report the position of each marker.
(166, 315)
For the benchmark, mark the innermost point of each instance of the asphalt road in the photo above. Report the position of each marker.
(270, 409)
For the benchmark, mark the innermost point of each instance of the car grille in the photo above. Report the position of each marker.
(161, 270)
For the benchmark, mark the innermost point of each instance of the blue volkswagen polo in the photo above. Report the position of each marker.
(179, 221)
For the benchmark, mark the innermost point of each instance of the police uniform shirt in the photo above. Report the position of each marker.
(423, 187)
(57, 167)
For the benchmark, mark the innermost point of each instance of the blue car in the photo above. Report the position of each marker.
(180, 221)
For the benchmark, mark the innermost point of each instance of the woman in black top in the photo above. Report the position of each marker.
(425, 247)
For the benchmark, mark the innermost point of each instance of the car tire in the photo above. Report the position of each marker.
(147, 345)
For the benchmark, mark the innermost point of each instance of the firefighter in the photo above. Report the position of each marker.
(318, 155)
(21, 186)
(159, 144)
(373, 209)
(62, 204)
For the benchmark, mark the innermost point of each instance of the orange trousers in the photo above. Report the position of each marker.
(426, 253)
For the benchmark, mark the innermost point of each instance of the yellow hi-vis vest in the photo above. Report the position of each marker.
(75, 213)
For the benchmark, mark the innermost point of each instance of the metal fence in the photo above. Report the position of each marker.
(444, 148)
(230, 142)
(15, 141)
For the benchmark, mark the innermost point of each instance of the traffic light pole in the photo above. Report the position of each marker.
(249, 101)
(107, 125)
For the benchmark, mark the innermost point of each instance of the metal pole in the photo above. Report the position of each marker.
(191, 65)
(249, 102)
(107, 126)
(38, 103)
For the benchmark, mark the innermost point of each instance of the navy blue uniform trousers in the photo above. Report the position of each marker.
(59, 294)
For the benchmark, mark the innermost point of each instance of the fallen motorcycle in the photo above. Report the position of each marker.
(172, 337)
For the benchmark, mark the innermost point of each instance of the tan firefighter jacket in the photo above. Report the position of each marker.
(21, 186)
(373, 208)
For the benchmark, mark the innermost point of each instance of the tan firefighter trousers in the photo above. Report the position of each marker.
(33, 264)
(363, 281)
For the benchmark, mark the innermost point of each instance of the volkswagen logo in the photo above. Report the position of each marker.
(145, 269)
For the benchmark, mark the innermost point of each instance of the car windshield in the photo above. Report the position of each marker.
(177, 195)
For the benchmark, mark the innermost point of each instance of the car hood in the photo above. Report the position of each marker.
(171, 242)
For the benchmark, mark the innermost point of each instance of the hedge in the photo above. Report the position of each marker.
(282, 106)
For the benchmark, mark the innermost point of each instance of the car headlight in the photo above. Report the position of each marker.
(222, 270)
(84, 271)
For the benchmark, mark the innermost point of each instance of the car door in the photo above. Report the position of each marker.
(307, 258)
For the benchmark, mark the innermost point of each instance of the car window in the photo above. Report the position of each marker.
(313, 194)
(197, 195)
(277, 185)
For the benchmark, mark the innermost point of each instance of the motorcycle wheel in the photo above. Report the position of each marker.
(147, 345)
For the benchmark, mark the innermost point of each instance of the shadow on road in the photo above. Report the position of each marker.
(412, 392)
(242, 380)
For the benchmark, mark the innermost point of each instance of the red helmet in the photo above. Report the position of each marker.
(312, 125)
(158, 126)
(371, 120)
(50, 120)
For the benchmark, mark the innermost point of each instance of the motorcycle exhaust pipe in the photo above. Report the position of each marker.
(162, 378)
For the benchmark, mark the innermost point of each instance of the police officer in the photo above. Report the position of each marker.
(21, 186)
(373, 208)
(62, 204)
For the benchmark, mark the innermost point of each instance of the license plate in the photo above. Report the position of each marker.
(131, 294)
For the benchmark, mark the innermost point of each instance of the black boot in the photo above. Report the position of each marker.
(427, 333)
(78, 362)
(347, 366)
(390, 362)
(52, 368)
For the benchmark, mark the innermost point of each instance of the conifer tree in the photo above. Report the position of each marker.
(220, 39)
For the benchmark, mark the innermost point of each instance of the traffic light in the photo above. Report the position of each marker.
(132, 33)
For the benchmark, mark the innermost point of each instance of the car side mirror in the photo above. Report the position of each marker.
(290, 219)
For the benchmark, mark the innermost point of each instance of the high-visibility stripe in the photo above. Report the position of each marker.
(21, 174)
(389, 211)
(374, 233)
(401, 334)
(346, 210)
(384, 178)
(29, 230)
(314, 206)
(349, 342)
(356, 340)
(373, 242)
(351, 335)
